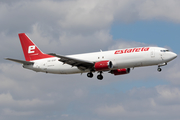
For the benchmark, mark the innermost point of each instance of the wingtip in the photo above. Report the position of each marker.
(6, 58)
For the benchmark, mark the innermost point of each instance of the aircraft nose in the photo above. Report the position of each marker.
(174, 55)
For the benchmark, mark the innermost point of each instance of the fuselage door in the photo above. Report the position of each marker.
(152, 53)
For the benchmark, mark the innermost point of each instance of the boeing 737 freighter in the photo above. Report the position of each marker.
(117, 62)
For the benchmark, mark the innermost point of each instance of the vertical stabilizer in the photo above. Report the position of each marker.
(31, 51)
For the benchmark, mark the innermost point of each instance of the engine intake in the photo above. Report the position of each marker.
(103, 65)
(121, 71)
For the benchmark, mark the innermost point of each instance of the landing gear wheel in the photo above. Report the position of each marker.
(159, 69)
(90, 75)
(100, 77)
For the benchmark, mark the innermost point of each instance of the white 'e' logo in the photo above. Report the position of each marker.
(31, 48)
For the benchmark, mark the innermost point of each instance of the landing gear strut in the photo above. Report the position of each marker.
(90, 75)
(159, 66)
(100, 77)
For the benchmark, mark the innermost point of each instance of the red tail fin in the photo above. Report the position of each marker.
(31, 51)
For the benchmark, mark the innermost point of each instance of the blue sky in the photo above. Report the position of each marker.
(155, 32)
(80, 26)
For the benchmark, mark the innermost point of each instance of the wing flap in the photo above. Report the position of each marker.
(74, 61)
(20, 61)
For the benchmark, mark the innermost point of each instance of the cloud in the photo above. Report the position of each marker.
(130, 11)
(62, 24)
(115, 110)
(168, 96)
(142, 103)
(83, 16)
(7, 100)
(17, 113)
(160, 10)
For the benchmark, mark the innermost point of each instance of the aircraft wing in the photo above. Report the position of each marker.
(20, 61)
(81, 64)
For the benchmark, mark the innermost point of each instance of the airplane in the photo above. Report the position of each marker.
(117, 62)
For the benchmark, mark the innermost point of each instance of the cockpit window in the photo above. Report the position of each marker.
(164, 50)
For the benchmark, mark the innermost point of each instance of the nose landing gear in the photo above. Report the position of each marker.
(159, 66)
(159, 69)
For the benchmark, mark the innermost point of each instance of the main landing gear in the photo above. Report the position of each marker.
(99, 77)
(90, 75)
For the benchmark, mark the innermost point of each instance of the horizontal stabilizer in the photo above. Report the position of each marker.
(20, 61)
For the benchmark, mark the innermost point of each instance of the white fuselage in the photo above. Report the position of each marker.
(128, 59)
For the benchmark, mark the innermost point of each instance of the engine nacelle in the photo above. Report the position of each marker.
(103, 65)
(121, 71)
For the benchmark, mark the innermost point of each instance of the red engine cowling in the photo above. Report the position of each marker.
(103, 65)
(121, 71)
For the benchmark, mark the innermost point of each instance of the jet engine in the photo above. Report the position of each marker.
(103, 65)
